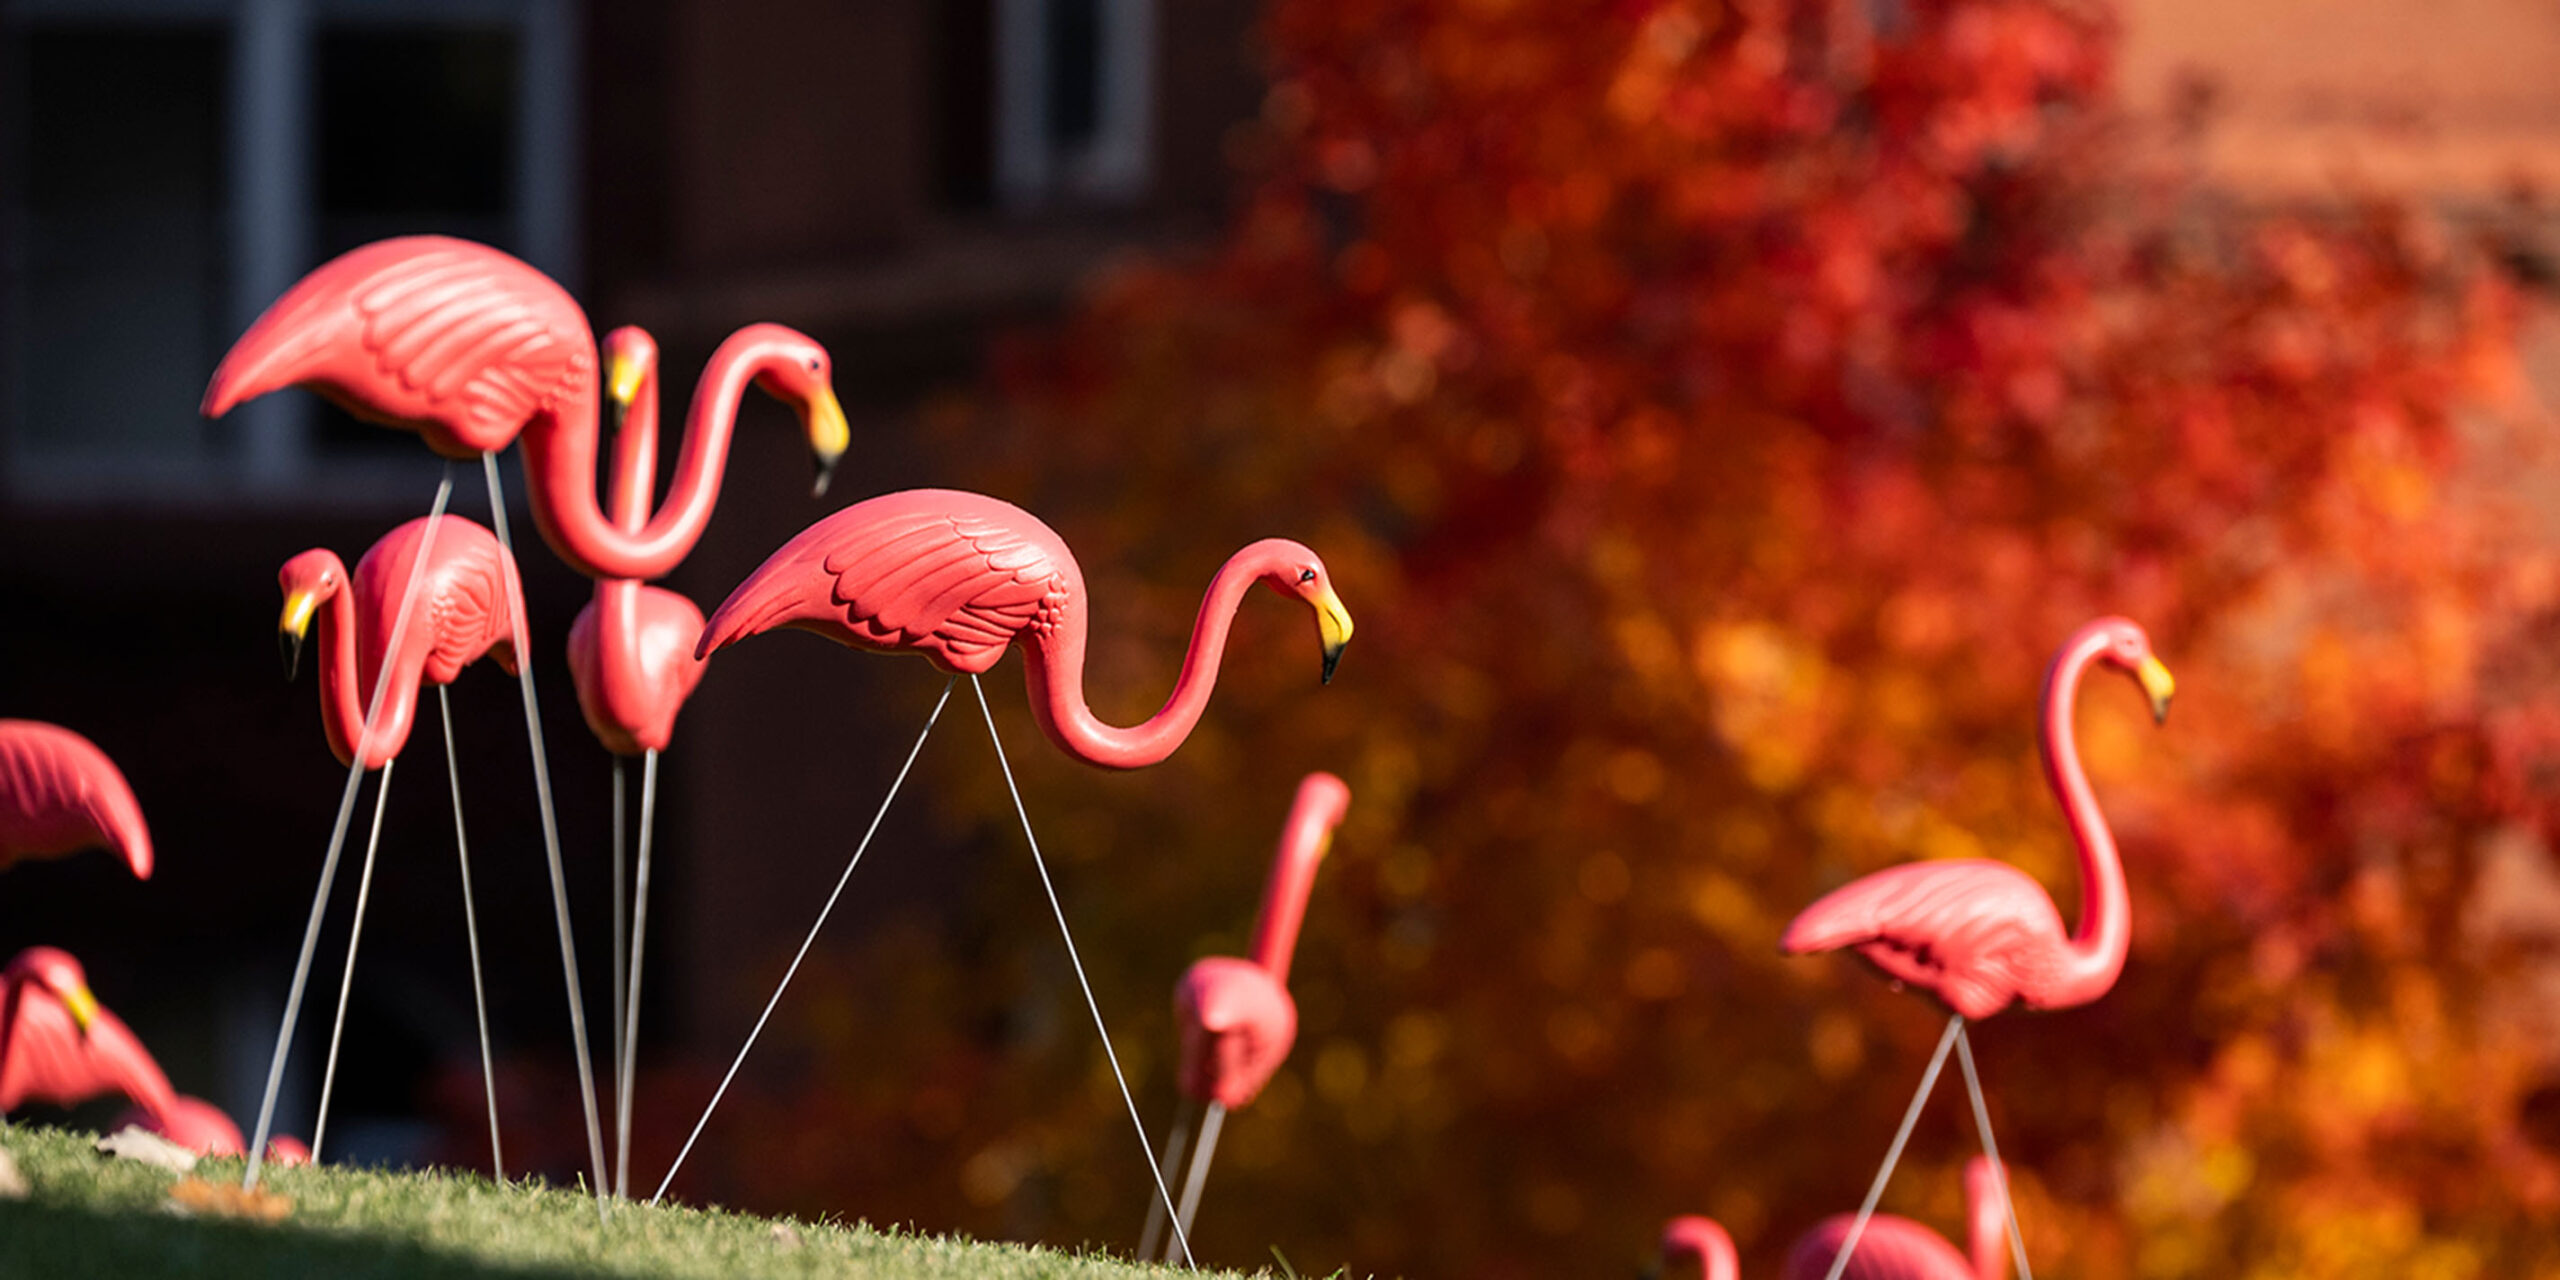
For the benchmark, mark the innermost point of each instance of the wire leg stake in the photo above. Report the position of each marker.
(1179, 1236)
(550, 828)
(1199, 1175)
(471, 933)
(1893, 1154)
(337, 842)
(1991, 1148)
(621, 957)
(630, 1046)
(850, 864)
(355, 938)
(1176, 1141)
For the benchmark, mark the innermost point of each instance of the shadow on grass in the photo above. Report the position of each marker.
(40, 1239)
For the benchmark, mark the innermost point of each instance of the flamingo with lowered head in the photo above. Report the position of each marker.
(472, 348)
(469, 606)
(59, 1045)
(1238, 1022)
(1896, 1248)
(60, 794)
(201, 1127)
(959, 578)
(1978, 934)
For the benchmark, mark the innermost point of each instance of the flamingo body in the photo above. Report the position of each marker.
(960, 577)
(201, 1127)
(468, 599)
(47, 1055)
(1896, 1248)
(1980, 935)
(59, 793)
(634, 671)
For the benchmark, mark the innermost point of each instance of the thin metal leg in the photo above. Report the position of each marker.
(630, 1046)
(347, 978)
(337, 842)
(1893, 1154)
(821, 922)
(1176, 1140)
(550, 836)
(1210, 1124)
(621, 959)
(471, 933)
(1991, 1148)
(1179, 1236)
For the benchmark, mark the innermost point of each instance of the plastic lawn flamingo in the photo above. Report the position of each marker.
(631, 657)
(1897, 1248)
(1979, 934)
(59, 794)
(471, 348)
(59, 1045)
(1238, 1022)
(201, 1127)
(959, 578)
(468, 606)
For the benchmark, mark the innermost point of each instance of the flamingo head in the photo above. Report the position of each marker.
(630, 357)
(2129, 647)
(1695, 1246)
(52, 971)
(793, 368)
(308, 580)
(1238, 1024)
(1292, 570)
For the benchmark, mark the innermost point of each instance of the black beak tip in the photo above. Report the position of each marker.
(1332, 658)
(826, 474)
(2160, 711)
(290, 646)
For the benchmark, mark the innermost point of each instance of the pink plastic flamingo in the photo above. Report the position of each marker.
(1238, 1022)
(469, 606)
(60, 794)
(201, 1127)
(960, 577)
(471, 348)
(1979, 934)
(59, 1045)
(1894, 1248)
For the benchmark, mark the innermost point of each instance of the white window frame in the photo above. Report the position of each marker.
(273, 458)
(1031, 173)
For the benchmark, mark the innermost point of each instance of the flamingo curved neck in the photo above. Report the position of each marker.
(635, 457)
(1303, 843)
(341, 701)
(560, 459)
(1056, 676)
(2105, 928)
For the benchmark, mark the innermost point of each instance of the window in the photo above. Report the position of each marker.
(1074, 85)
(174, 165)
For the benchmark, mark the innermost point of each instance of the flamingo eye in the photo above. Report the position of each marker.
(813, 364)
(1306, 575)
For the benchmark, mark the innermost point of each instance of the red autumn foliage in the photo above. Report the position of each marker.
(1714, 411)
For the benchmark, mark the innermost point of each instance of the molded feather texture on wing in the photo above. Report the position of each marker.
(463, 599)
(1891, 1248)
(457, 340)
(59, 793)
(1972, 931)
(44, 1057)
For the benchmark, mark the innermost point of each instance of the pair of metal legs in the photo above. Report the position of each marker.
(629, 947)
(1954, 1038)
(1210, 1121)
(337, 839)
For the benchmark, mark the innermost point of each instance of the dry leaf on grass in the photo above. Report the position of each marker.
(223, 1200)
(134, 1142)
(13, 1184)
(784, 1237)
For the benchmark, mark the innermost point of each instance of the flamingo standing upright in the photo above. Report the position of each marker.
(471, 348)
(1979, 935)
(59, 1045)
(1238, 1022)
(631, 657)
(469, 607)
(958, 578)
(60, 794)
(1896, 1248)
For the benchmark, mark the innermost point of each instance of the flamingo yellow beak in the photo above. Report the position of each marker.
(1333, 622)
(2157, 685)
(296, 624)
(828, 436)
(82, 1006)
(622, 378)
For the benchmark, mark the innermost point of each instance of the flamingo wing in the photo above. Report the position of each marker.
(59, 793)
(1972, 931)
(959, 587)
(46, 1058)
(1891, 1248)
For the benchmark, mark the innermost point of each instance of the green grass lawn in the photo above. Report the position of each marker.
(89, 1215)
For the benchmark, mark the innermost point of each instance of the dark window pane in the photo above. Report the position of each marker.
(121, 202)
(1075, 73)
(964, 34)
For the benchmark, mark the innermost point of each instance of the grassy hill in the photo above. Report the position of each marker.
(88, 1215)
